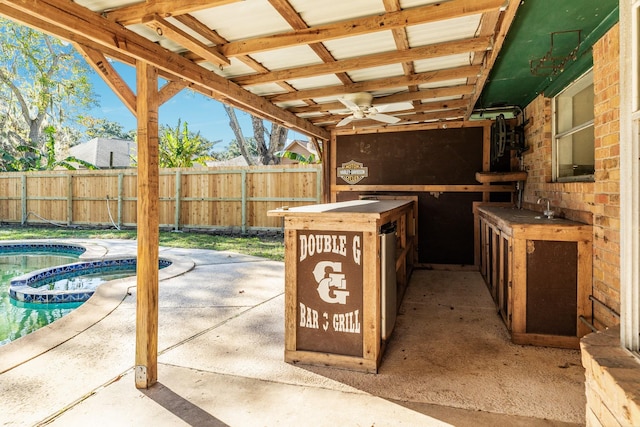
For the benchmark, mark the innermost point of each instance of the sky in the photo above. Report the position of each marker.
(201, 113)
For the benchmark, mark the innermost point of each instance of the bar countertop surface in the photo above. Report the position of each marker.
(353, 207)
(513, 216)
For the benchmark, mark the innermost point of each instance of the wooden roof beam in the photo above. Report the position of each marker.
(388, 21)
(424, 94)
(369, 61)
(441, 124)
(112, 78)
(135, 13)
(404, 118)
(418, 107)
(386, 83)
(401, 39)
(165, 29)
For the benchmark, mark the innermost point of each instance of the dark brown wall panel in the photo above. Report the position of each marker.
(443, 156)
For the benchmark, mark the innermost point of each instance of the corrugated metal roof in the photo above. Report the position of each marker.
(437, 32)
(243, 20)
(361, 45)
(442, 63)
(282, 59)
(332, 9)
(303, 55)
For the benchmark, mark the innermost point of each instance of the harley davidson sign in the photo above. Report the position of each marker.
(329, 292)
(353, 172)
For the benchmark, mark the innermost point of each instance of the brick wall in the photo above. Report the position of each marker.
(596, 203)
(612, 375)
(606, 212)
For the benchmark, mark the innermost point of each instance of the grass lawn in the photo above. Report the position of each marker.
(266, 246)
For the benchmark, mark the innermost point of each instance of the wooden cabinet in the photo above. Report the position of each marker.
(539, 273)
(333, 279)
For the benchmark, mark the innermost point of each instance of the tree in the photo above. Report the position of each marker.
(43, 82)
(34, 160)
(180, 148)
(233, 149)
(103, 128)
(266, 152)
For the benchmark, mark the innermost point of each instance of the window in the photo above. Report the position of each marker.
(573, 131)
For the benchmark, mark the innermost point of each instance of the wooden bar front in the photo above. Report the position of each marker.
(333, 279)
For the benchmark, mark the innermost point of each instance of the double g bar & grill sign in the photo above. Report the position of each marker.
(329, 292)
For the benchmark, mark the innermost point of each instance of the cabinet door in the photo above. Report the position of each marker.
(496, 263)
(552, 287)
(484, 250)
(504, 288)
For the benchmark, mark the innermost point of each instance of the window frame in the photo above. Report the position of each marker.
(630, 169)
(557, 136)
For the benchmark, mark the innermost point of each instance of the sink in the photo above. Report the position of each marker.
(544, 218)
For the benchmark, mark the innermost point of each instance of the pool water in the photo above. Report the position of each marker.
(88, 281)
(19, 319)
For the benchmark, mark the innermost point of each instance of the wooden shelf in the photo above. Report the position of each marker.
(486, 177)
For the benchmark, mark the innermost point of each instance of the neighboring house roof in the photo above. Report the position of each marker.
(303, 148)
(105, 153)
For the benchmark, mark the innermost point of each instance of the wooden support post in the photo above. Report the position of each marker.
(146, 363)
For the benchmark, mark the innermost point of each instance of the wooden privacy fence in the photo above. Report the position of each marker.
(229, 198)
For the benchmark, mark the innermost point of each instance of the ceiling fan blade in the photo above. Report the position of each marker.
(385, 118)
(394, 106)
(345, 121)
(349, 104)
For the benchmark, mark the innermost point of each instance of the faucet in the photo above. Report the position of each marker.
(547, 212)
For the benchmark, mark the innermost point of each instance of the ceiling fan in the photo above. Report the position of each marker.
(360, 106)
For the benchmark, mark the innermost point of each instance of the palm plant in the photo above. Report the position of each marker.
(180, 148)
(300, 158)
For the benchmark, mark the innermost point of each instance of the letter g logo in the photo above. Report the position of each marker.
(331, 286)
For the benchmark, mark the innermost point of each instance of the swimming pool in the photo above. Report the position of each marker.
(40, 283)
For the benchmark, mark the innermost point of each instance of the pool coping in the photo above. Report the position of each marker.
(29, 287)
(105, 300)
(91, 249)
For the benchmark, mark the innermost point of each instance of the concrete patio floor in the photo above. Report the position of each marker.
(221, 334)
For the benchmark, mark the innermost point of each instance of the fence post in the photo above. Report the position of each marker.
(244, 201)
(24, 198)
(69, 199)
(120, 191)
(176, 226)
(319, 185)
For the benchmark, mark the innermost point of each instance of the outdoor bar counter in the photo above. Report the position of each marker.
(539, 272)
(346, 267)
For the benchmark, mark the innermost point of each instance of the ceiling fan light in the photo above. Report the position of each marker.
(361, 99)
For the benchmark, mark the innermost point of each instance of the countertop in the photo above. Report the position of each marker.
(513, 216)
(353, 207)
